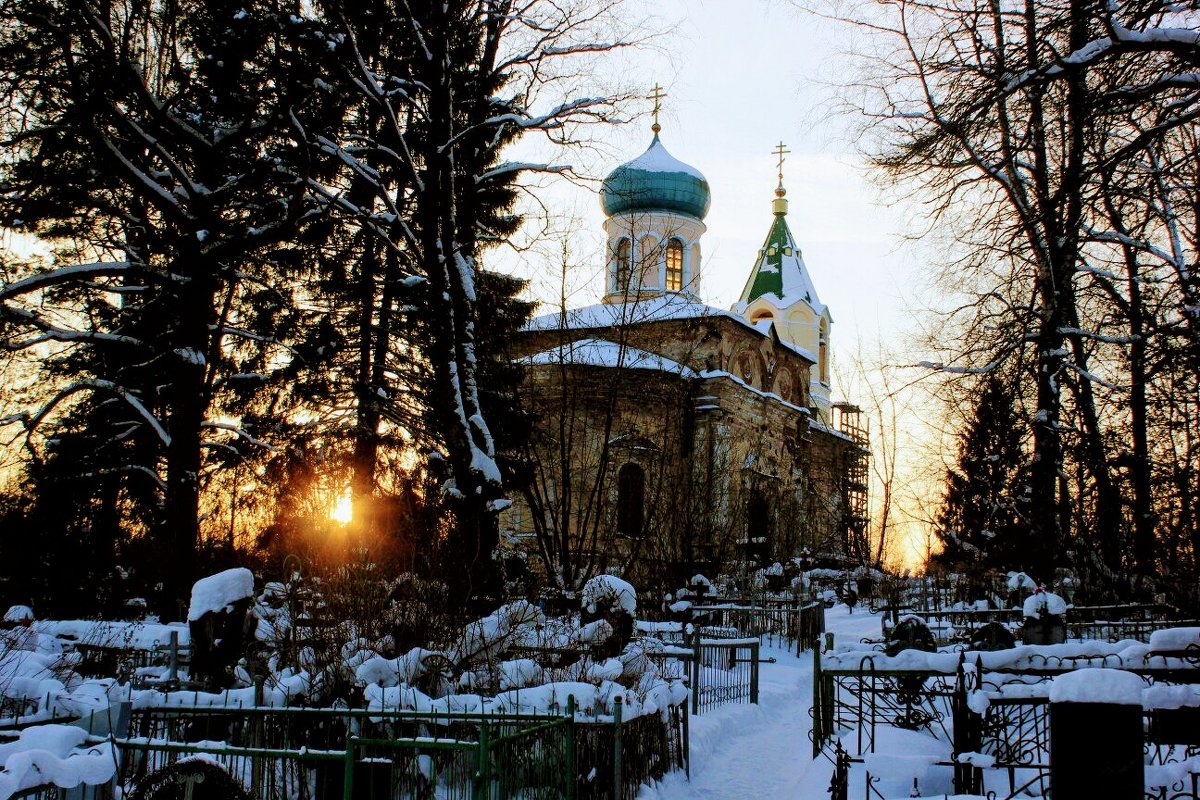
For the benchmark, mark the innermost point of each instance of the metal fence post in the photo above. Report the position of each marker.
(569, 756)
(696, 670)
(173, 674)
(348, 767)
(754, 649)
(818, 705)
(480, 789)
(618, 777)
(968, 735)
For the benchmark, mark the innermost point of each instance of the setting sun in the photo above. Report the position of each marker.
(343, 509)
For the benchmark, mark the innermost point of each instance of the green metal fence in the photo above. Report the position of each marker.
(319, 754)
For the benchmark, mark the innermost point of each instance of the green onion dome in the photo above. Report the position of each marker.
(655, 181)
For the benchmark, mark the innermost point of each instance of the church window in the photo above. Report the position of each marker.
(624, 264)
(631, 500)
(674, 265)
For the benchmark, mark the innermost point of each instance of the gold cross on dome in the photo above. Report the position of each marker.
(780, 151)
(657, 96)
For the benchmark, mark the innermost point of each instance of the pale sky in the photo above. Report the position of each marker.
(742, 75)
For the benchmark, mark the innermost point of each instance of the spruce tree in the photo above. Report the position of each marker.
(979, 523)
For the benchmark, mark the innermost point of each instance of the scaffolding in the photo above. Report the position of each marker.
(848, 419)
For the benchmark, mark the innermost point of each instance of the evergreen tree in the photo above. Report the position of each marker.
(979, 523)
(162, 148)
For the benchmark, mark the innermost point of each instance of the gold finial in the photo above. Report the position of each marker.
(657, 96)
(780, 204)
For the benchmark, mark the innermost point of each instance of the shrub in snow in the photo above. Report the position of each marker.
(608, 598)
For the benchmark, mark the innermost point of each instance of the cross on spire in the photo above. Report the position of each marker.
(780, 151)
(657, 96)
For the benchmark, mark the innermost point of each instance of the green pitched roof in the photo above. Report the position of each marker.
(780, 274)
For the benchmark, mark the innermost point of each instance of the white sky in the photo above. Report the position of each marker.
(742, 75)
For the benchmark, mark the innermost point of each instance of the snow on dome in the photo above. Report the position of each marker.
(657, 181)
(219, 592)
(610, 590)
(657, 159)
(1097, 685)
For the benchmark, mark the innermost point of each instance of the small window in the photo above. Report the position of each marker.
(631, 500)
(674, 265)
(624, 265)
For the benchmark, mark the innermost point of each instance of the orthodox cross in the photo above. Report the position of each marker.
(780, 151)
(657, 96)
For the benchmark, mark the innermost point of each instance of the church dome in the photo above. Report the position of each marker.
(655, 181)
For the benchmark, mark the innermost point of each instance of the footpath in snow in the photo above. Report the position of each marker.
(762, 752)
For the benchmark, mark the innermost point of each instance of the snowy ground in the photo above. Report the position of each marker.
(762, 752)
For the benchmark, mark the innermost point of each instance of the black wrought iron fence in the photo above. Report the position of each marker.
(1002, 715)
(724, 671)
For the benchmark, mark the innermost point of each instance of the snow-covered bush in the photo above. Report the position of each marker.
(613, 600)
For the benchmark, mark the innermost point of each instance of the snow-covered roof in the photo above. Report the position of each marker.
(603, 353)
(657, 159)
(667, 306)
(660, 308)
(779, 274)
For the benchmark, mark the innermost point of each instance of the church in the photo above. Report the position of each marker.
(672, 437)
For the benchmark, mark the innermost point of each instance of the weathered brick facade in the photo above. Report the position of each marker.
(734, 468)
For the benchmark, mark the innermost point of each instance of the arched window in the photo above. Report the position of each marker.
(624, 265)
(631, 500)
(674, 265)
(823, 353)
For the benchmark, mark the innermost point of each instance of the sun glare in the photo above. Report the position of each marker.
(343, 509)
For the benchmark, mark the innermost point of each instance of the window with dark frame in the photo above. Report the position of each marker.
(631, 500)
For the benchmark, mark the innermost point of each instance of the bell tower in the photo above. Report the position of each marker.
(780, 291)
